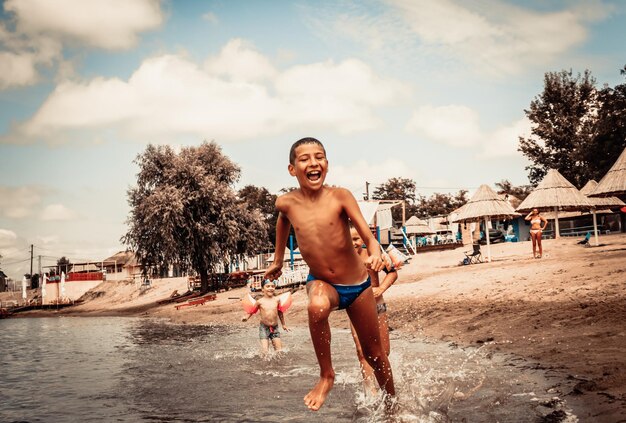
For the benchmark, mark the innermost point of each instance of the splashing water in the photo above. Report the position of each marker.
(134, 369)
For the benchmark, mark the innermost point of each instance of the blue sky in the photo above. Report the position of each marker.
(428, 90)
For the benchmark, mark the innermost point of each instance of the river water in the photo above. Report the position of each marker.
(109, 369)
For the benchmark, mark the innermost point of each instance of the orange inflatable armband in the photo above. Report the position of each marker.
(249, 304)
(284, 301)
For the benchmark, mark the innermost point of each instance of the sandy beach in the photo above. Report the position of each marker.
(564, 314)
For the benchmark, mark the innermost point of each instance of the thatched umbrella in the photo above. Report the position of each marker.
(614, 182)
(485, 203)
(599, 203)
(417, 226)
(555, 192)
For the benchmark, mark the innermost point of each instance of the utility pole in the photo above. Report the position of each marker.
(31, 261)
(367, 191)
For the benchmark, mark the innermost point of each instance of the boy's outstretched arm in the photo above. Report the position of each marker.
(389, 279)
(374, 261)
(282, 233)
(281, 316)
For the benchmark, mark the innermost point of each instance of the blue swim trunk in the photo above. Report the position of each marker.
(268, 332)
(347, 293)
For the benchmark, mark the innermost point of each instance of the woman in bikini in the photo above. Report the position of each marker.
(537, 224)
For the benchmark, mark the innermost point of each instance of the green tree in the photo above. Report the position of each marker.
(185, 211)
(506, 187)
(563, 120)
(64, 265)
(440, 204)
(609, 138)
(260, 199)
(397, 189)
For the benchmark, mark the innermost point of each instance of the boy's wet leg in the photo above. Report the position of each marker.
(265, 347)
(364, 318)
(322, 299)
(277, 344)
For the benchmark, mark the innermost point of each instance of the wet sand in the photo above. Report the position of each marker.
(564, 314)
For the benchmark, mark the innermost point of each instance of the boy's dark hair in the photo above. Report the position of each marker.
(307, 140)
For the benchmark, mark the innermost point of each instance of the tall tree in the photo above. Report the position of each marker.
(260, 199)
(397, 189)
(609, 138)
(563, 119)
(506, 187)
(185, 211)
(440, 204)
(64, 265)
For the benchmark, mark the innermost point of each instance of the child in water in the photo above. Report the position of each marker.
(338, 278)
(378, 288)
(269, 316)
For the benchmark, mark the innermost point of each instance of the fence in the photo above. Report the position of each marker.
(289, 278)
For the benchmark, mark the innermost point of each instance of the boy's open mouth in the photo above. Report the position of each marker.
(314, 175)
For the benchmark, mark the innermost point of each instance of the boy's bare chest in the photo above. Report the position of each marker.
(268, 303)
(321, 214)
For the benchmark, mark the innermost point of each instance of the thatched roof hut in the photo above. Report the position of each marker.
(600, 202)
(417, 226)
(614, 182)
(485, 203)
(555, 192)
(602, 205)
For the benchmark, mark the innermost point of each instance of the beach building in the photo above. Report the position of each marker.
(121, 266)
(64, 288)
(377, 214)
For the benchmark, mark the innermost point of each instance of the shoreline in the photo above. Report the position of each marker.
(564, 314)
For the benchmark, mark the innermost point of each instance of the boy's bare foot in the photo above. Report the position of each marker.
(316, 397)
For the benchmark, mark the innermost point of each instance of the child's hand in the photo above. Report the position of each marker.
(245, 318)
(387, 262)
(273, 272)
(374, 263)
(378, 291)
(286, 329)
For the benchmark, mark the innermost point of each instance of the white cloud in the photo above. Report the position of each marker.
(19, 202)
(505, 140)
(112, 24)
(210, 17)
(7, 238)
(17, 70)
(495, 37)
(57, 212)
(171, 95)
(238, 61)
(42, 28)
(459, 126)
(490, 37)
(357, 173)
(453, 125)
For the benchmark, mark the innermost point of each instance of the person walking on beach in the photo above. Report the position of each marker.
(537, 225)
(378, 288)
(337, 280)
(269, 316)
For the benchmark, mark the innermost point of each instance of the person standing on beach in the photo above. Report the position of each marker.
(537, 225)
(378, 288)
(269, 316)
(338, 279)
